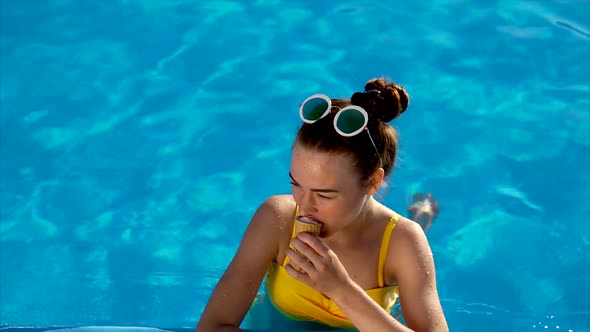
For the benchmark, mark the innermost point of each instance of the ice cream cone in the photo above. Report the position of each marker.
(305, 225)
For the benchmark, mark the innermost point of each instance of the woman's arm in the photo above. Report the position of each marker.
(365, 313)
(324, 272)
(235, 291)
(413, 266)
(410, 261)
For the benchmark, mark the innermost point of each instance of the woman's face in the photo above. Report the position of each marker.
(327, 188)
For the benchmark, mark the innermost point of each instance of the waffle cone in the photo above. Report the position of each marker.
(306, 225)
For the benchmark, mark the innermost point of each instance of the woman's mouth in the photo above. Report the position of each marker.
(313, 218)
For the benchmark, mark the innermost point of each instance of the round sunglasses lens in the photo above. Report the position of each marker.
(313, 109)
(350, 121)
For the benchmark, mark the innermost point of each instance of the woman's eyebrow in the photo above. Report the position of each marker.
(315, 190)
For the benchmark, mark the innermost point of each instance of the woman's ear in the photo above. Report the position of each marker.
(375, 181)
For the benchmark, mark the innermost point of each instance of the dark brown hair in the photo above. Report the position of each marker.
(383, 101)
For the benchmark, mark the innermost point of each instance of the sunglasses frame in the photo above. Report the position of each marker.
(320, 96)
(338, 114)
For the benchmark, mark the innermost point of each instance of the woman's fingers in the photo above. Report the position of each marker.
(299, 262)
(310, 256)
(303, 248)
(301, 276)
(314, 243)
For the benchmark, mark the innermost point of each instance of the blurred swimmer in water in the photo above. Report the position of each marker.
(423, 210)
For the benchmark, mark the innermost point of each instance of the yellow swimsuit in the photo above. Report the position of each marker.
(299, 301)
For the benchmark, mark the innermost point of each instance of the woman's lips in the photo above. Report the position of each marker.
(313, 218)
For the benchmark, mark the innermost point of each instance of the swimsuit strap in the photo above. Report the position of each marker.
(286, 260)
(385, 247)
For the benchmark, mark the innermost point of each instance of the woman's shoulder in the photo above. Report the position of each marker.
(408, 240)
(278, 208)
(404, 224)
(407, 232)
(280, 211)
(279, 204)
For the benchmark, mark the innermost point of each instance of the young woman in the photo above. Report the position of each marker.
(366, 254)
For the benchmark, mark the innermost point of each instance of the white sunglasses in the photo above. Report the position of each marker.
(349, 120)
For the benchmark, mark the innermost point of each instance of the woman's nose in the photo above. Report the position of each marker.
(307, 204)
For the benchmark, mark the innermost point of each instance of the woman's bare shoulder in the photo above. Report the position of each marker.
(407, 233)
(267, 226)
(408, 242)
(278, 208)
(280, 204)
(404, 225)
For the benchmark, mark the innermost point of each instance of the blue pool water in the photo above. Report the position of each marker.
(138, 137)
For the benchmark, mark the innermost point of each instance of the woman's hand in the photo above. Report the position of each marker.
(320, 267)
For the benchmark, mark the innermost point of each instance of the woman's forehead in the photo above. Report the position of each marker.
(324, 165)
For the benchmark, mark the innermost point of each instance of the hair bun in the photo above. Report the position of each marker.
(383, 100)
